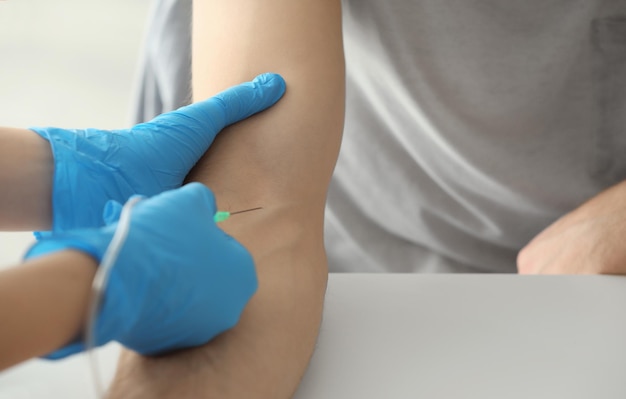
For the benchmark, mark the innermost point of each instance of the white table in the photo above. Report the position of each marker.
(474, 337)
(436, 337)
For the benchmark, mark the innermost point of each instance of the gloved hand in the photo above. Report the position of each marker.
(179, 280)
(93, 166)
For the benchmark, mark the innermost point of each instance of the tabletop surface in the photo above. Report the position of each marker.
(435, 336)
(483, 337)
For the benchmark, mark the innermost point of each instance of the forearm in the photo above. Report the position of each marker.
(281, 160)
(289, 154)
(43, 304)
(26, 171)
(265, 355)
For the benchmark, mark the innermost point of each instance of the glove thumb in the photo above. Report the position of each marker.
(190, 130)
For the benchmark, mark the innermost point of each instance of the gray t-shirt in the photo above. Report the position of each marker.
(471, 125)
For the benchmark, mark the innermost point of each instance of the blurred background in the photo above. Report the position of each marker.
(67, 63)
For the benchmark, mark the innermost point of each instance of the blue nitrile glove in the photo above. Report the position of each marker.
(179, 279)
(93, 166)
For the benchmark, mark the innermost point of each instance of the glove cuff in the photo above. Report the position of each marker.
(48, 244)
(78, 156)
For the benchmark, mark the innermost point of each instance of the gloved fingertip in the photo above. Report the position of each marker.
(112, 211)
(273, 83)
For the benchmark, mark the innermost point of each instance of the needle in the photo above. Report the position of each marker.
(223, 215)
(247, 210)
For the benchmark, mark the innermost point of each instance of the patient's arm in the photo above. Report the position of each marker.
(280, 160)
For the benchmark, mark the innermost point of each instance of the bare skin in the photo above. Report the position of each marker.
(588, 240)
(43, 304)
(26, 166)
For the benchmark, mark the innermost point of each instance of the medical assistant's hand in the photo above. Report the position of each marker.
(179, 279)
(93, 166)
(589, 240)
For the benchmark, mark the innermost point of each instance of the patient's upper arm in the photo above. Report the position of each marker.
(286, 154)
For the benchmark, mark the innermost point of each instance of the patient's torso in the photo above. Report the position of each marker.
(471, 124)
